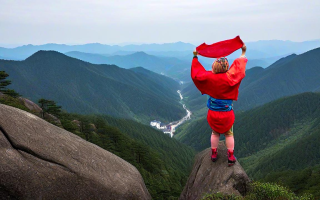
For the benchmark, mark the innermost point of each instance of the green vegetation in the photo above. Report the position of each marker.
(49, 106)
(85, 88)
(299, 181)
(273, 141)
(194, 101)
(14, 102)
(163, 162)
(261, 191)
(4, 83)
(195, 133)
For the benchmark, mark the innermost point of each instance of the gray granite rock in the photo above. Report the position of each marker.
(212, 177)
(31, 105)
(41, 161)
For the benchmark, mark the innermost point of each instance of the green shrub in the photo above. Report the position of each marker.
(261, 191)
(14, 102)
(220, 196)
(272, 191)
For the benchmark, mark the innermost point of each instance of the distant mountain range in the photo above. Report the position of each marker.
(22, 52)
(83, 87)
(169, 66)
(256, 50)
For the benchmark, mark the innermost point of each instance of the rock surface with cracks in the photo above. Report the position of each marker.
(213, 177)
(41, 161)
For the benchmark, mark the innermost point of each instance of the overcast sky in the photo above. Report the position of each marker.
(156, 21)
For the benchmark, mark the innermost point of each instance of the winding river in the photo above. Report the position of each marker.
(175, 124)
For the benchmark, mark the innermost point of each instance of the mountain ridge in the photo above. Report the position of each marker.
(122, 92)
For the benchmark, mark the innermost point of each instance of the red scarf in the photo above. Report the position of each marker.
(222, 85)
(220, 49)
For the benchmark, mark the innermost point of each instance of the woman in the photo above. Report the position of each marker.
(222, 85)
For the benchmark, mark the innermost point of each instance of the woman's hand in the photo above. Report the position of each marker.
(244, 49)
(195, 53)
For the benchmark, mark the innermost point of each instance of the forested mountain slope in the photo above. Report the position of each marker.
(272, 139)
(289, 76)
(261, 125)
(87, 88)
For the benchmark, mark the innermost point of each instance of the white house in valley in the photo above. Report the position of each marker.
(158, 124)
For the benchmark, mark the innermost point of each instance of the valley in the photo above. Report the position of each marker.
(277, 112)
(170, 128)
(107, 100)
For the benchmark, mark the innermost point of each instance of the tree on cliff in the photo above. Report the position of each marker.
(4, 83)
(49, 106)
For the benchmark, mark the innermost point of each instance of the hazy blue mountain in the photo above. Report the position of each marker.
(256, 50)
(291, 75)
(87, 88)
(89, 57)
(263, 62)
(271, 48)
(169, 66)
(22, 52)
(278, 47)
(6, 58)
(120, 53)
(177, 46)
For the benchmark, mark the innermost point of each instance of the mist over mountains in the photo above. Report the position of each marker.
(22, 52)
(181, 50)
(169, 66)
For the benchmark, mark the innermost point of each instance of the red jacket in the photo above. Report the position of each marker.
(219, 86)
(222, 85)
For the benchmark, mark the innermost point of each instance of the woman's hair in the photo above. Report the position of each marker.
(220, 65)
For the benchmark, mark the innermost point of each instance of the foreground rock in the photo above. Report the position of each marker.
(209, 177)
(41, 161)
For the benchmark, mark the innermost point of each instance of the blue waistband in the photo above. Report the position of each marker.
(219, 104)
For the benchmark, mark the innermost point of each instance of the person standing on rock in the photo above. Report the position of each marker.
(222, 85)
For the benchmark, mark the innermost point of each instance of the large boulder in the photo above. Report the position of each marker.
(41, 161)
(37, 110)
(31, 105)
(213, 177)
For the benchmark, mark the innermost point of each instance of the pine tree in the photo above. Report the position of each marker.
(4, 83)
(49, 106)
(53, 108)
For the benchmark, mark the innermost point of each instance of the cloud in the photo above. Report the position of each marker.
(112, 21)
